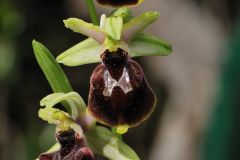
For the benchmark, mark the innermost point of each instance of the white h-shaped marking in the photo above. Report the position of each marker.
(110, 83)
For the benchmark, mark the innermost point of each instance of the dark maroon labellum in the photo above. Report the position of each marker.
(72, 148)
(119, 93)
(118, 3)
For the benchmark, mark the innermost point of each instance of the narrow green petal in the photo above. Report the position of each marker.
(51, 69)
(145, 45)
(74, 100)
(87, 29)
(103, 142)
(84, 52)
(113, 27)
(138, 24)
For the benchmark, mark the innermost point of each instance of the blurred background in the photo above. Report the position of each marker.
(198, 111)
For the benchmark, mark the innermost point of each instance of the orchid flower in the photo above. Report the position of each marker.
(117, 39)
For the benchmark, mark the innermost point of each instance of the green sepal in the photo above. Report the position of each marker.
(138, 24)
(146, 45)
(113, 27)
(87, 29)
(74, 100)
(52, 70)
(103, 142)
(123, 12)
(85, 52)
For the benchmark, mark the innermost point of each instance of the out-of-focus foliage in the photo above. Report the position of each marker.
(7, 58)
(10, 25)
(223, 138)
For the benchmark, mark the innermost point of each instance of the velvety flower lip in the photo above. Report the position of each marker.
(129, 99)
(119, 3)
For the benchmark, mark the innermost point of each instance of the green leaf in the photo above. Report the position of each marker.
(87, 29)
(145, 45)
(74, 100)
(113, 27)
(138, 24)
(103, 142)
(84, 52)
(51, 69)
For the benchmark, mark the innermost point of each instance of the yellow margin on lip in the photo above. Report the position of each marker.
(140, 1)
(108, 5)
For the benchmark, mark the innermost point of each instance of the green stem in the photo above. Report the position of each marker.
(92, 11)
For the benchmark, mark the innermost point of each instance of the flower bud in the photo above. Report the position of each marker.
(119, 92)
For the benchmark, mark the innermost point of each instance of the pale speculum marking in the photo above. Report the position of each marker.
(110, 83)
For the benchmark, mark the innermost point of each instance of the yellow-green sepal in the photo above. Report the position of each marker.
(138, 24)
(147, 45)
(87, 29)
(85, 52)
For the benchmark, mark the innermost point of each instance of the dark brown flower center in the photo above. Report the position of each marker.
(115, 62)
(66, 138)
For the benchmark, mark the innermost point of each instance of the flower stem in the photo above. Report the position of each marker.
(92, 11)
